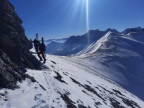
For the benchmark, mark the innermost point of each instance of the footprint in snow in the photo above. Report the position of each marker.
(36, 88)
(57, 100)
(8, 105)
(23, 91)
(41, 103)
(57, 103)
(37, 97)
(29, 82)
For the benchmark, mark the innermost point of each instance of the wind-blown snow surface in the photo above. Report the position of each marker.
(64, 83)
(119, 57)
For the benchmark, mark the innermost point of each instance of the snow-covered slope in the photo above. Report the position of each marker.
(66, 84)
(94, 46)
(118, 57)
(55, 40)
(74, 44)
(137, 36)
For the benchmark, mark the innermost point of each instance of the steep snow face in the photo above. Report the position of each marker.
(95, 45)
(118, 57)
(66, 84)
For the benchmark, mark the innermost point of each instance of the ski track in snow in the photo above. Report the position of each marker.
(67, 83)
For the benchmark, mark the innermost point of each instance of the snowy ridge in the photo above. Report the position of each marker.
(95, 45)
(119, 57)
(66, 84)
(139, 37)
(75, 44)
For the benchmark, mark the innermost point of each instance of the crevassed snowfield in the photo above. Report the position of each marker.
(64, 83)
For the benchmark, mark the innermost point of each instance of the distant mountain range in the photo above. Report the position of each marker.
(74, 44)
(116, 55)
(56, 40)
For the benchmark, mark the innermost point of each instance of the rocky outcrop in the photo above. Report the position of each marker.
(14, 47)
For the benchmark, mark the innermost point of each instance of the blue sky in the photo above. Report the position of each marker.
(63, 18)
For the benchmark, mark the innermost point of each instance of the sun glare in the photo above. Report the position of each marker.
(81, 8)
(87, 20)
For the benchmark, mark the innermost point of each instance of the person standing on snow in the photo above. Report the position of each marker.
(42, 49)
(36, 43)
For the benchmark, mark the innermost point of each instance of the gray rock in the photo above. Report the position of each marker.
(14, 48)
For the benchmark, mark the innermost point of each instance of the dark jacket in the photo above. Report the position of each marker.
(36, 43)
(42, 47)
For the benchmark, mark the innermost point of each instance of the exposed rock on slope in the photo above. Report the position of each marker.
(14, 47)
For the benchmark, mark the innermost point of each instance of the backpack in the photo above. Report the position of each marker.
(42, 47)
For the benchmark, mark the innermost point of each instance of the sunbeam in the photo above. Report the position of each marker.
(87, 20)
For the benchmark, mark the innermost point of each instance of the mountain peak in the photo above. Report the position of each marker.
(130, 30)
(112, 30)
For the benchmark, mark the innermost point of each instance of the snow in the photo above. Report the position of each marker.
(119, 58)
(94, 46)
(65, 83)
(100, 76)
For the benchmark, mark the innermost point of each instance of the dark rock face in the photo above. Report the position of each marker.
(14, 47)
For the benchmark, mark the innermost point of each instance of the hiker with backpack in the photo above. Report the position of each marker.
(40, 48)
(41, 52)
(36, 43)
